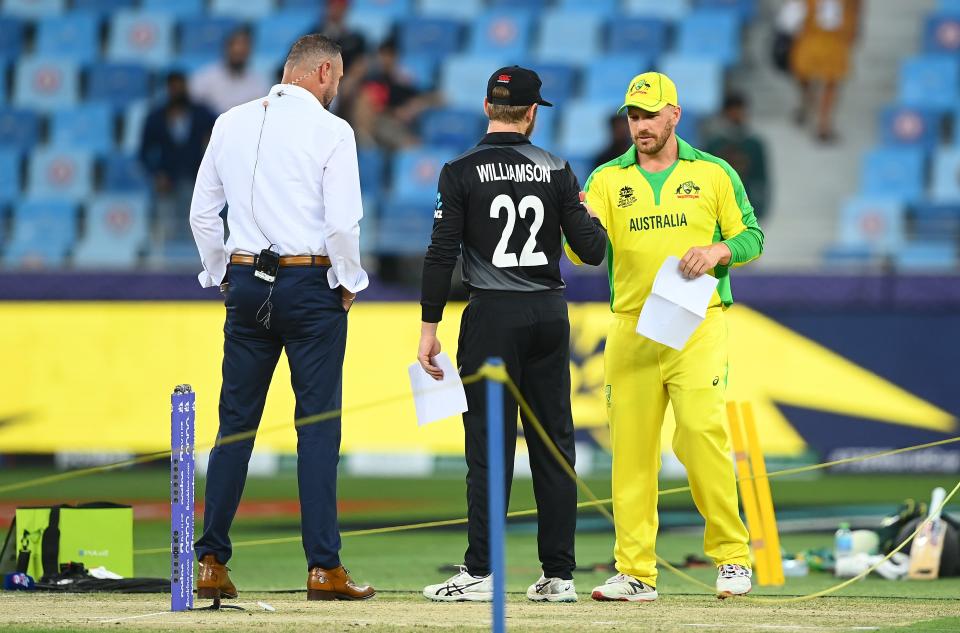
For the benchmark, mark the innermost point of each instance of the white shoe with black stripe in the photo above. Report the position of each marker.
(624, 587)
(733, 580)
(462, 588)
(552, 590)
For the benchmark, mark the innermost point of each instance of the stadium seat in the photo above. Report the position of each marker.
(545, 130)
(873, 222)
(941, 33)
(455, 128)
(117, 84)
(463, 10)
(604, 8)
(116, 230)
(607, 79)
(675, 10)
(945, 180)
(75, 35)
(501, 34)
(300, 4)
(431, 37)
(415, 173)
(141, 37)
(463, 79)
(637, 36)
(372, 173)
(583, 128)
(931, 81)
(204, 37)
(102, 8)
(393, 9)
(420, 70)
(123, 173)
(10, 174)
(11, 44)
(711, 33)
(854, 258)
(689, 128)
(34, 9)
(582, 166)
(62, 173)
(45, 83)
(699, 81)
(373, 25)
(43, 232)
(893, 172)
(19, 128)
(559, 80)
(134, 116)
(242, 9)
(558, 29)
(746, 10)
(274, 34)
(176, 8)
(89, 126)
(949, 6)
(926, 255)
(905, 125)
(404, 227)
(536, 6)
(934, 220)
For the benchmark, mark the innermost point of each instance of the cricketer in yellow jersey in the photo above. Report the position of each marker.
(661, 198)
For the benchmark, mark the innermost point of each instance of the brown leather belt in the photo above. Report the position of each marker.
(285, 260)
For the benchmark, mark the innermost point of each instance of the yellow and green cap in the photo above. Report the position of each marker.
(650, 91)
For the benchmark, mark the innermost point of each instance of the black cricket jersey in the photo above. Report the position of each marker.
(506, 206)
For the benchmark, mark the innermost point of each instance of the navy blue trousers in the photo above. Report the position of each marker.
(308, 321)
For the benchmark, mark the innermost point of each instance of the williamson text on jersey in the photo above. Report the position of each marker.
(517, 173)
(667, 221)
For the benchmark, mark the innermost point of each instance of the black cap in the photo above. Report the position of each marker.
(523, 84)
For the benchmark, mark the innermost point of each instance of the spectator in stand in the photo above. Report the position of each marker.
(731, 138)
(388, 103)
(175, 135)
(353, 50)
(620, 140)
(232, 81)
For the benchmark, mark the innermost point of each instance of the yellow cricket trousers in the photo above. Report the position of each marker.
(642, 376)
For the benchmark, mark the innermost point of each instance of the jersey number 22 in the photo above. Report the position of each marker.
(529, 256)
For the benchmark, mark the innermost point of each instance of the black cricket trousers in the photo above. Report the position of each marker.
(530, 331)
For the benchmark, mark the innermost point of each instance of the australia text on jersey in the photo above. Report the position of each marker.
(668, 221)
(526, 172)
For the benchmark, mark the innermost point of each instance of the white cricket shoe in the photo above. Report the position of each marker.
(552, 590)
(462, 588)
(624, 588)
(733, 580)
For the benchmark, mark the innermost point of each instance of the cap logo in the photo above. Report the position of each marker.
(503, 79)
(640, 87)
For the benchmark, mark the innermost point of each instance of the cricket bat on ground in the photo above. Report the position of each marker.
(928, 544)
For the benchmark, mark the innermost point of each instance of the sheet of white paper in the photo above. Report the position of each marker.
(676, 305)
(692, 294)
(437, 399)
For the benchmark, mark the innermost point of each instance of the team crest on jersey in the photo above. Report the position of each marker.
(688, 189)
(626, 198)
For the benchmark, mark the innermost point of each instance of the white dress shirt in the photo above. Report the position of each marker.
(304, 196)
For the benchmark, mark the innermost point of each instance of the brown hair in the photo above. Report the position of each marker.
(505, 113)
(313, 48)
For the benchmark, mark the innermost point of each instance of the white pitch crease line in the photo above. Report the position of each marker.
(784, 627)
(134, 617)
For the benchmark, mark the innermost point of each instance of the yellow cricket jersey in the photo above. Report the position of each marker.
(650, 216)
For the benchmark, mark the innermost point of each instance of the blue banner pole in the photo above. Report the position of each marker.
(495, 492)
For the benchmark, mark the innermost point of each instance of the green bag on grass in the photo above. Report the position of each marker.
(95, 534)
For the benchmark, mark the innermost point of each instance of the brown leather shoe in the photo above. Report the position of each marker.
(214, 581)
(335, 584)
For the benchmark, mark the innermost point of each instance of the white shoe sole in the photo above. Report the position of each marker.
(644, 597)
(467, 597)
(553, 597)
(723, 595)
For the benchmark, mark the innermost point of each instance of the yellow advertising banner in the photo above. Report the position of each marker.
(97, 377)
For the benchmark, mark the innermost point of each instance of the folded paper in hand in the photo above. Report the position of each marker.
(437, 399)
(676, 305)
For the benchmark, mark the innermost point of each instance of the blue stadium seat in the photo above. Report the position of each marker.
(19, 128)
(433, 37)
(204, 37)
(394, 9)
(501, 33)
(582, 166)
(134, 116)
(103, 8)
(536, 6)
(875, 222)
(645, 36)
(558, 29)
(583, 128)
(855, 258)
(463, 79)
(88, 127)
(896, 172)
(141, 37)
(941, 33)
(415, 174)
(609, 75)
(689, 128)
(545, 130)
(559, 80)
(46, 84)
(906, 125)
(711, 33)
(934, 220)
(405, 230)
(949, 6)
(420, 70)
(746, 10)
(116, 230)
(274, 34)
(945, 179)
(43, 232)
(463, 10)
(675, 10)
(75, 35)
(242, 9)
(372, 171)
(34, 9)
(931, 81)
(11, 44)
(604, 8)
(300, 4)
(926, 255)
(699, 81)
(449, 127)
(375, 26)
(62, 173)
(10, 173)
(122, 173)
(176, 8)
(117, 84)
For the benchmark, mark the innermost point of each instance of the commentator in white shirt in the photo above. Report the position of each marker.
(290, 270)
